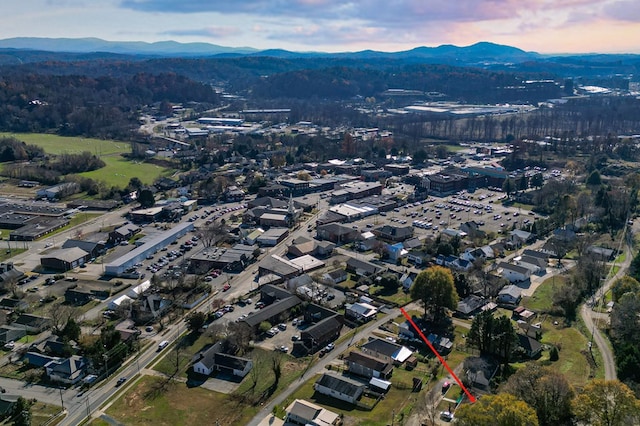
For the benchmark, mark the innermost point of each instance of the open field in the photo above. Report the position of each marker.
(153, 400)
(573, 354)
(54, 144)
(157, 401)
(542, 300)
(118, 171)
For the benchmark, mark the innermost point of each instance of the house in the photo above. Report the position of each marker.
(10, 333)
(317, 336)
(510, 295)
(536, 265)
(522, 314)
(418, 257)
(603, 253)
(530, 346)
(536, 254)
(472, 228)
(69, 370)
(407, 279)
(213, 359)
(272, 237)
(368, 365)
(336, 276)
(442, 344)
(393, 233)
(479, 371)
(518, 238)
(339, 387)
(514, 273)
(382, 347)
(301, 412)
(32, 324)
(361, 312)
(302, 246)
(363, 268)
(470, 306)
(396, 251)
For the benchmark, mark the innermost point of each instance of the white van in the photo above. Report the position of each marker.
(163, 345)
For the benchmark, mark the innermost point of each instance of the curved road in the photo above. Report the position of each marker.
(590, 317)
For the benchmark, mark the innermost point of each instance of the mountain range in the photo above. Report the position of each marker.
(482, 51)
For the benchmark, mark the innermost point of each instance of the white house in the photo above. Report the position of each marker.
(118, 301)
(339, 387)
(510, 295)
(514, 273)
(303, 412)
(136, 291)
(361, 311)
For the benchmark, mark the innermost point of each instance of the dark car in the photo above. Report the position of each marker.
(120, 381)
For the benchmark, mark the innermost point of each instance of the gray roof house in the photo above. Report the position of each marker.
(69, 370)
(510, 295)
(339, 387)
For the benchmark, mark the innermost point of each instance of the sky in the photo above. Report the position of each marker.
(544, 26)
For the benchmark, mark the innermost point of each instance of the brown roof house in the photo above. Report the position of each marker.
(378, 366)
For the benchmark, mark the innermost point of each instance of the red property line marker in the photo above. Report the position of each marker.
(442, 361)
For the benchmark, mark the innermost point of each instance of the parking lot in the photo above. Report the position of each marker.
(433, 215)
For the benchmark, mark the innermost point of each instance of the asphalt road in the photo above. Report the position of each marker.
(590, 317)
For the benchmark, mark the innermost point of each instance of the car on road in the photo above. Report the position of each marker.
(121, 380)
(329, 347)
(149, 329)
(226, 287)
(10, 345)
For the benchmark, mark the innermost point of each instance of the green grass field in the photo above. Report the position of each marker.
(118, 171)
(54, 144)
(542, 299)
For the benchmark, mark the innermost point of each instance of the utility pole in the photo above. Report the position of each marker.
(61, 400)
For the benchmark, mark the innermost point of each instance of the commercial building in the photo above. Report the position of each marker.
(235, 258)
(64, 259)
(122, 264)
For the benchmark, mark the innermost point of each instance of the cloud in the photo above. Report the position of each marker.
(623, 10)
(378, 11)
(209, 32)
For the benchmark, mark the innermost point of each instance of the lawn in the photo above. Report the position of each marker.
(78, 219)
(573, 354)
(542, 299)
(53, 144)
(118, 171)
(42, 414)
(155, 401)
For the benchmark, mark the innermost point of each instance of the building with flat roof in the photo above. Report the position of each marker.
(235, 258)
(119, 266)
